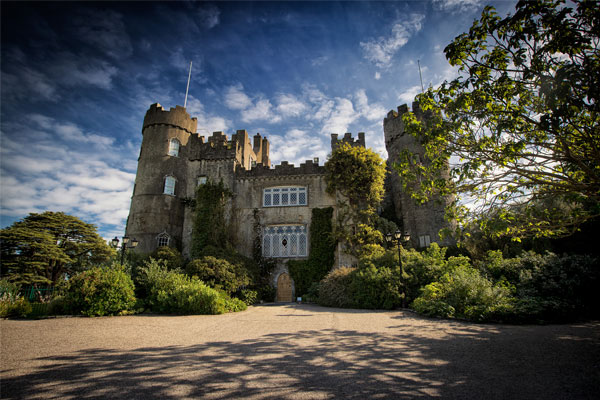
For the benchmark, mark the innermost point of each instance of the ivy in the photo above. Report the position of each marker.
(322, 252)
(210, 227)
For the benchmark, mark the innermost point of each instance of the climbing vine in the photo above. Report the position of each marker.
(210, 226)
(322, 252)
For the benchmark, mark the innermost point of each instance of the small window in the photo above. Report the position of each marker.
(424, 241)
(174, 147)
(170, 185)
(163, 239)
(202, 180)
(284, 197)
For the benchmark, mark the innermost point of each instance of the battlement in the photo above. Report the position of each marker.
(309, 167)
(176, 117)
(335, 142)
(403, 109)
(219, 147)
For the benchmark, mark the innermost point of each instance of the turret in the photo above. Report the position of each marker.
(422, 221)
(156, 213)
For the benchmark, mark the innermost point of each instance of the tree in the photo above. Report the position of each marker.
(520, 126)
(43, 248)
(358, 175)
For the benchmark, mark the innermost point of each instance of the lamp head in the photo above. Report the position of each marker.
(115, 242)
(134, 243)
(397, 234)
(125, 240)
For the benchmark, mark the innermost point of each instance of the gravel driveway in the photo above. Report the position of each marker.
(296, 351)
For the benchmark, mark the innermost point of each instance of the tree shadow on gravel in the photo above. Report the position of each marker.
(466, 361)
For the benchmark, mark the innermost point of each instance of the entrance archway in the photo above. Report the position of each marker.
(284, 288)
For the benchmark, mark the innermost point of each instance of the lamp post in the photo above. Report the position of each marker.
(115, 244)
(400, 238)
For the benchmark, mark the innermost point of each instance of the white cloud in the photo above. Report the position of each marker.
(372, 112)
(289, 105)
(62, 172)
(380, 51)
(207, 123)
(236, 99)
(377, 75)
(457, 6)
(297, 146)
(340, 118)
(408, 96)
(260, 111)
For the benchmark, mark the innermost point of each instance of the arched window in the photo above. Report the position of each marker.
(163, 239)
(174, 147)
(170, 185)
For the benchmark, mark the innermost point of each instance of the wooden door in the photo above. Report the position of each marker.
(284, 288)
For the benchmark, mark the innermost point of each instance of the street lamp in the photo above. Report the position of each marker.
(400, 238)
(133, 244)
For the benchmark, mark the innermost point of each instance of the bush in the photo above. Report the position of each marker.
(171, 256)
(218, 273)
(11, 306)
(248, 296)
(57, 306)
(334, 290)
(548, 287)
(376, 288)
(312, 294)
(100, 291)
(172, 292)
(464, 293)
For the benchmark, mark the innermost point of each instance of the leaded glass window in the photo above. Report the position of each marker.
(174, 147)
(285, 241)
(284, 197)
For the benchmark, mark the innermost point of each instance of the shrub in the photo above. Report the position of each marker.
(248, 296)
(464, 293)
(14, 306)
(376, 288)
(334, 290)
(547, 286)
(172, 292)
(57, 306)
(312, 294)
(218, 273)
(171, 257)
(100, 291)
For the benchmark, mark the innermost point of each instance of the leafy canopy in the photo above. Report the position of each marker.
(43, 248)
(357, 173)
(520, 125)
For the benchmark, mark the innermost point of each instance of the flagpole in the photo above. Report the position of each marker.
(188, 86)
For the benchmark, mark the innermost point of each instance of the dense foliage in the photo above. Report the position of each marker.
(521, 122)
(210, 227)
(357, 173)
(322, 252)
(100, 291)
(44, 248)
(219, 273)
(12, 304)
(172, 292)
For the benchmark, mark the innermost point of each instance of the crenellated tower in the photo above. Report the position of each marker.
(422, 221)
(156, 210)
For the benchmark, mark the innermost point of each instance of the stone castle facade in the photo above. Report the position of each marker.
(174, 160)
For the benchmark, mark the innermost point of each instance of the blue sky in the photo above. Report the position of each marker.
(77, 79)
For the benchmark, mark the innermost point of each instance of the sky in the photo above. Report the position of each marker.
(78, 77)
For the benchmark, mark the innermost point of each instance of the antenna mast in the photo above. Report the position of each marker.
(420, 76)
(188, 86)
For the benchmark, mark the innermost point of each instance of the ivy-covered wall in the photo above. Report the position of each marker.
(322, 252)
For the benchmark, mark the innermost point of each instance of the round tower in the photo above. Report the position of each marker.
(157, 211)
(423, 221)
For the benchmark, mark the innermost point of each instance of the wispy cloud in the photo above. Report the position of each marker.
(380, 51)
(457, 6)
(104, 30)
(208, 16)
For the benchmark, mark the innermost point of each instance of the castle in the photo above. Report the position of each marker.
(174, 160)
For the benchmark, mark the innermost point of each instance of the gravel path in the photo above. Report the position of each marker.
(297, 352)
